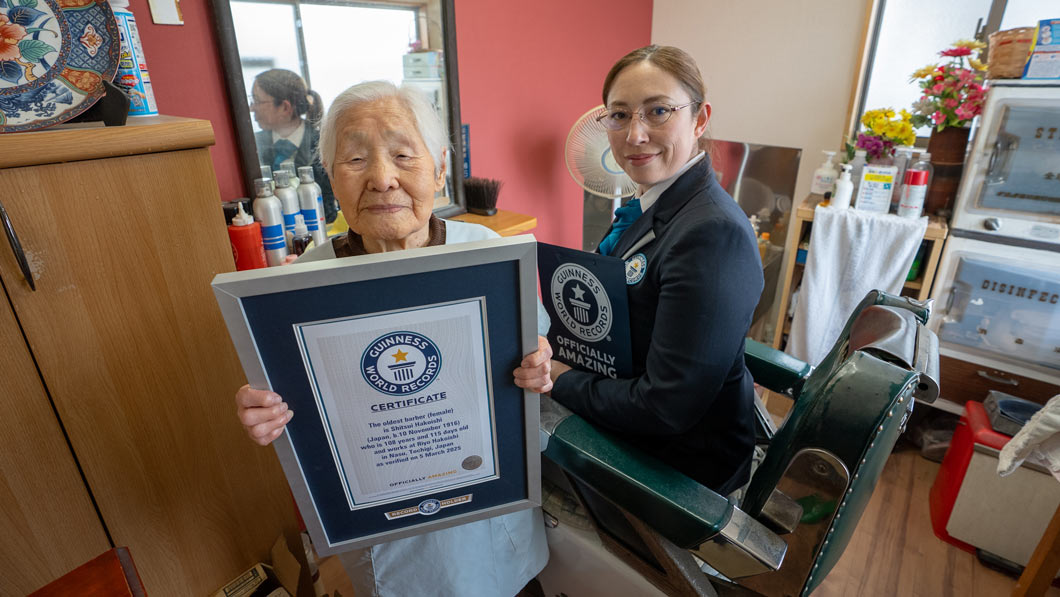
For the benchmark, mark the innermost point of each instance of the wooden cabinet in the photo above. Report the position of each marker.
(920, 288)
(123, 230)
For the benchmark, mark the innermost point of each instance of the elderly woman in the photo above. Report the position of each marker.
(385, 149)
(693, 280)
(288, 114)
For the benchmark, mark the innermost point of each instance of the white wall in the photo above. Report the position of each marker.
(778, 72)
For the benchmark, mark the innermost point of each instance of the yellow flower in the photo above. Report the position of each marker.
(905, 115)
(976, 64)
(971, 44)
(924, 71)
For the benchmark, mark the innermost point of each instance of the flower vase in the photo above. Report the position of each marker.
(947, 148)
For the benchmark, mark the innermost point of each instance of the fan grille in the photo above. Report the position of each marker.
(589, 161)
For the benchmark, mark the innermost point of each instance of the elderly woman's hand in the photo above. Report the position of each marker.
(262, 413)
(533, 372)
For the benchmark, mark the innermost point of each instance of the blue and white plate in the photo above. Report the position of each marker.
(54, 57)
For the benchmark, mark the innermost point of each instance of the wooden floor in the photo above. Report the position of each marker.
(893, 551)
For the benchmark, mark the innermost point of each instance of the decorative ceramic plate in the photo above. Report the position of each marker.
(54, 57)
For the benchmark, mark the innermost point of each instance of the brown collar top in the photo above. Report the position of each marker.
(351, 244)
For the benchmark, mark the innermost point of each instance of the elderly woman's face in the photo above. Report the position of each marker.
(383, 174)
(647, 154)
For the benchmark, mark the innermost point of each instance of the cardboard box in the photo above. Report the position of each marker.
(1044, 60)
(262, 580)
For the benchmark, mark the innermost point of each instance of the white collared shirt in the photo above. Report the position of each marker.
(652, 195)
(295, 137)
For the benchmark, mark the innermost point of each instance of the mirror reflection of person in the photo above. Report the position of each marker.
(385, 150)
(692, 288)
(289, 116)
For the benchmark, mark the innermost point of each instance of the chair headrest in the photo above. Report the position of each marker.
(897, 336)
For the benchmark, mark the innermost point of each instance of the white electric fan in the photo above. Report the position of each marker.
(589, 159)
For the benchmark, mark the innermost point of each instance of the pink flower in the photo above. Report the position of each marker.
(938, 117)
(10, 34)
(956, 52)
(950, 103)
(938, 88)
(966, 111)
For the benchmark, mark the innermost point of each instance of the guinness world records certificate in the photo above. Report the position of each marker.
(403, 422)
(399, 369)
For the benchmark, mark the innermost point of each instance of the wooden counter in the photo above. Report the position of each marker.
(504, 223)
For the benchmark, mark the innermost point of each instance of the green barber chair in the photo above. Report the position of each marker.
(804, 499)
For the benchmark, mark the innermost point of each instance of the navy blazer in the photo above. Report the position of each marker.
(691, 400)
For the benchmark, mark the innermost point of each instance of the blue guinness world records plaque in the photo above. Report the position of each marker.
(585, 296)
(269, 303)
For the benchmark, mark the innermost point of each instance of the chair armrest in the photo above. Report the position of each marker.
(774, 369)
(676, 506)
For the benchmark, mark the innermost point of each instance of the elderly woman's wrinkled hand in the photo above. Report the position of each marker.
(533, 372)
(262, 413)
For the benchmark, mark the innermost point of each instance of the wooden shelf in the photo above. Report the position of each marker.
(937, 228)
(920, 288)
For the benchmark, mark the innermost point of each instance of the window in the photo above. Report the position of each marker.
(335, 46)
(910, 34)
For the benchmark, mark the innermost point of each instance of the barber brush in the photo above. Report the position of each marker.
(481, 195)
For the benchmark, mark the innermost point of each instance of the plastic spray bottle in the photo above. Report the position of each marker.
(269, 212)
(311, 201)
(844, 189)
(856, 165)
(301, 239)
(824, 177)
(289, 201)
(245, 235)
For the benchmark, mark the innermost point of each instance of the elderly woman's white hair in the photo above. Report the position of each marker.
(430, 126)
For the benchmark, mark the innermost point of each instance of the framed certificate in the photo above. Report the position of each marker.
(398, 367)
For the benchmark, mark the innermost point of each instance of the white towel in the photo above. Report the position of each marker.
(851, 252)
(1038, 441)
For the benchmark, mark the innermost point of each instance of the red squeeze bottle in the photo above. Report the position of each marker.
(245, 235)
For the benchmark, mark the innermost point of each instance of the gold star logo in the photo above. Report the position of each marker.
(399, 356)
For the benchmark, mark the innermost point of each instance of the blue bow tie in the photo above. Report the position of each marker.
(624, 217)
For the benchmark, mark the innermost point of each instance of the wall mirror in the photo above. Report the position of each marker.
(330, 45)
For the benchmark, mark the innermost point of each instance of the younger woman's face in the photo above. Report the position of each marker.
(268, 115)
(650, 155)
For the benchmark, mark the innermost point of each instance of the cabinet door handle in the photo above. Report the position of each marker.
(998, 379)
(16, 247)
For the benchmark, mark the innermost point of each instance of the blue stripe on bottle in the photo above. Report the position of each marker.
(272, 237)
(311, 222)
(288, 221)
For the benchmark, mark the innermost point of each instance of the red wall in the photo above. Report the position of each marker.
(188, 80)
(528, 70)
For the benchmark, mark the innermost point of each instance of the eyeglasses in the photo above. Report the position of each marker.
(253, 101)
(655, 115)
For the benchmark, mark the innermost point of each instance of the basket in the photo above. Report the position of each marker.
(1008, 52)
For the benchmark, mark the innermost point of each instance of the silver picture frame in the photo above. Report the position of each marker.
(264, 310)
